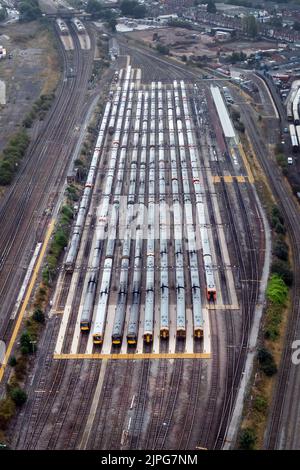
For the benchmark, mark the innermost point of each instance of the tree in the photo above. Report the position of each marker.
(281, 250)
(296, 26)
(112, 24)
(283, 270)
(247, 439)
(95, 8)
(38, 316)
(266, 362)
(133, 8)
(211, 7)
(29, 10)
(3, 14)
(162, 49)
(18, 395)
(250, 26)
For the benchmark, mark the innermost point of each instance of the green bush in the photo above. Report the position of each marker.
(248, 439)
(277, 290)
(261, 404)
(281, 250)
(283, 270)
(7, 411)
(12, 361)
(18, 395)
(27, 342)
(38, 316)
(12, 155)
(21, 367)
(266, 362)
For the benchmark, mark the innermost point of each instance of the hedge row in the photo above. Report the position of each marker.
(12, 155)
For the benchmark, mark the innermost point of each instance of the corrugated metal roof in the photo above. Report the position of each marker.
(222, 111)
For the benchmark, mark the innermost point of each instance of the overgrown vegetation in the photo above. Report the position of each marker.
(59, 242)
(277, 294)
(39, 109)
(29, 10)
(236, 118)
(162, 49)
(12, 155)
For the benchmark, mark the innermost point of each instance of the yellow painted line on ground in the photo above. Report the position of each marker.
(229, 178)
(216, 179)
(135, 356)
(27, 297)
(240, 179)
(247, 166)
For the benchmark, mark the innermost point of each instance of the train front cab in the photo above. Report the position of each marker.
(116, 340)
(198, 333)
(84, 326)
(97, 339)
(211, 294)
(164, 333)
(131, 340)
(180, 333)
(148, 337)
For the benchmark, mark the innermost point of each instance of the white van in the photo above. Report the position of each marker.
(290, 161)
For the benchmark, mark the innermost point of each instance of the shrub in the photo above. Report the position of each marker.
(281, 250)
(266, 362)
(38, 316)
(247, 439)
(20, 368)
(18, 395)
(7, 411)
(260, 404)
(12, 361)
(283, 270)
(277, 290)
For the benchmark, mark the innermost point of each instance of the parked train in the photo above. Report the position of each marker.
(62, 26)
(78, 25)
(293, 116)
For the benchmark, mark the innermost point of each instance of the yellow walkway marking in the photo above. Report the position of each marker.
(27, 297)
(135, 356)
(247, 166)
(230, 178)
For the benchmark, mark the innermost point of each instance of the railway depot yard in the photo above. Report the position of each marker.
(164, 208)
(152, 301)
(157, 279)
(31, 68)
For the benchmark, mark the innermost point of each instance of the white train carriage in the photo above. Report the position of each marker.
(296, 102)
(180, 302)
(133, 323)
(64, 30)
(118, 328)
(101, 309)
(293, 135)
(149, 300)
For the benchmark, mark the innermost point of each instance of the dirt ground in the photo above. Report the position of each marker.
(32, 70)
(180, 41)
(189, 42)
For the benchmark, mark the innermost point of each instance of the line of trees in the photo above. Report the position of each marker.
(29, 10)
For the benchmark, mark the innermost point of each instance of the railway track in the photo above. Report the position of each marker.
(26, 198)
(290, 211)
